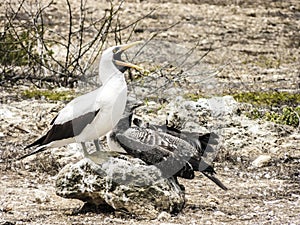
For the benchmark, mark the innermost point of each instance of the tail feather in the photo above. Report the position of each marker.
(37, 142)
(207, 170)
(215, 180)
(37, 150)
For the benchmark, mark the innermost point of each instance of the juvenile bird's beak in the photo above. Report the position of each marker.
(123, 48)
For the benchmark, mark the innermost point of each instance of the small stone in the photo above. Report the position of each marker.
(261, 161)
(41, 197)
(218, 213)
(164, 216)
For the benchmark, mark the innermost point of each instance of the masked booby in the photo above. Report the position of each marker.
(94, 114)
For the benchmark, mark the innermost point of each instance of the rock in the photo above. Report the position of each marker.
(41, 197)
(163, 216)
(197, 114)
(125, 184)
(218, 106)
(261, 161)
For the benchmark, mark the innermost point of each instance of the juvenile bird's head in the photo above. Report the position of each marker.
(111, 62)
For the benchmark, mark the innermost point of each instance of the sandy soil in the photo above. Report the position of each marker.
(256, 44)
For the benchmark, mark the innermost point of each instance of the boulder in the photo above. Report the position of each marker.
(123, 183)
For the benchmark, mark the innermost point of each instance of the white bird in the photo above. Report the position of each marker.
(94, 114)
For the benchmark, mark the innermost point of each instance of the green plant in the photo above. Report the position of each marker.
(268, 62)
(268, 99)
(193, 96)
(49, 94)
(287, 109)
(288, 116)
(254, 114)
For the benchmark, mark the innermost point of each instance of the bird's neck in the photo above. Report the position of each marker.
(107, 72)
(113, 77)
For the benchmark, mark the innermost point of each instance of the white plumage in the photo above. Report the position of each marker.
(94, 114)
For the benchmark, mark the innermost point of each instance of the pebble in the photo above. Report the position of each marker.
(164, 216)
(261, 161)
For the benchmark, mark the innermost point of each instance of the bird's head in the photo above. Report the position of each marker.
(111, 62)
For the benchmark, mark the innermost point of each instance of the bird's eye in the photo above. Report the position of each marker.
(115, 50)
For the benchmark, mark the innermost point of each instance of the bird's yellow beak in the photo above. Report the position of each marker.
(128, 64)
(123, 48)
(127, 46)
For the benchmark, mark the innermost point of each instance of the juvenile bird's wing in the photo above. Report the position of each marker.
(166, 152)
(202, 142)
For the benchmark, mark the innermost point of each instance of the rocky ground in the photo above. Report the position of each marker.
(253, 47)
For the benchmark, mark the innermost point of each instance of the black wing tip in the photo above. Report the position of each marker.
(38, 142)
(31, 145)
(215, 180)
(40, 149)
